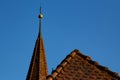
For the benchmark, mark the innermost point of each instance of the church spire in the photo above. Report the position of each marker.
(38, 67)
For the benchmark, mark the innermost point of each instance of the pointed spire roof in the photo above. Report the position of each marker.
(38, 67)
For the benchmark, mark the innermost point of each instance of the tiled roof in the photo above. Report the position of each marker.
(38, 66)
(77, 66)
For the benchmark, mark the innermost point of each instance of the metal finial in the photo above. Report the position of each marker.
(40, 15)
(40, 22)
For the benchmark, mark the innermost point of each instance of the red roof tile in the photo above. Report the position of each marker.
(77, 66)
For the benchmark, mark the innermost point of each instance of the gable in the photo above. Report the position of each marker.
(77, 66)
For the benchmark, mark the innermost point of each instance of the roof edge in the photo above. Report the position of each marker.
(87, 58)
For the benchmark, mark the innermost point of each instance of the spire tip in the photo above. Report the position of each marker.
(40, 15)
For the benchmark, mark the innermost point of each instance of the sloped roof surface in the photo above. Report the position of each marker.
(38, 66)
(77, 66)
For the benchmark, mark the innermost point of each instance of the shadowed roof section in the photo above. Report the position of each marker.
(77, 66)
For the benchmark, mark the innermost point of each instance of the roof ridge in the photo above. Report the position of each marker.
(87, 58)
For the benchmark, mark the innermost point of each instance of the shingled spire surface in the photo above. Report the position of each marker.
(38, 67)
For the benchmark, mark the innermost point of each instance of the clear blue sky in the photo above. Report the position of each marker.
(92, 26)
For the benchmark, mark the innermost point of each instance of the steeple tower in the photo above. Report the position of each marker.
(38, 67)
